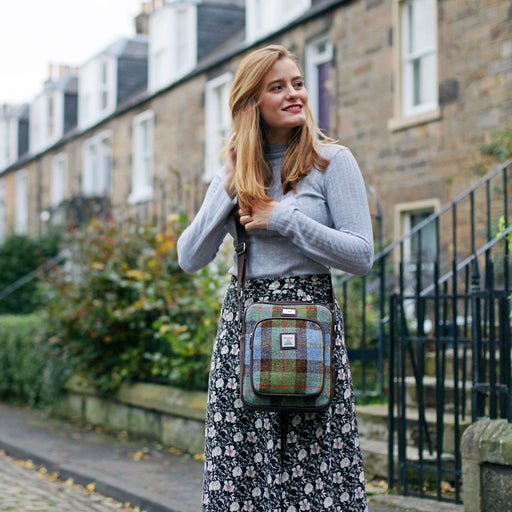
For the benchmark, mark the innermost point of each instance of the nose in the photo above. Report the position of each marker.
(291, 91)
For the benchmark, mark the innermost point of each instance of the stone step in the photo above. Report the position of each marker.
(429, 393)
(464, 362)
(375, 460)
(373, 424)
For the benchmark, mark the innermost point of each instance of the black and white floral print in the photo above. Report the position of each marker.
(258, 461)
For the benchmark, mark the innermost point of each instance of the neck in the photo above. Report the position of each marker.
(278, 136)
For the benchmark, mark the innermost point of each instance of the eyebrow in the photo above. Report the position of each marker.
(280, 80)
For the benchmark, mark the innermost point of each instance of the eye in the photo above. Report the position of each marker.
(299, 84)
(276, 88)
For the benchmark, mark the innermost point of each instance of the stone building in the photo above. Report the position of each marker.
(413, 87)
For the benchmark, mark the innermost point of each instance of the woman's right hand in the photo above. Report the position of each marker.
(229, 168)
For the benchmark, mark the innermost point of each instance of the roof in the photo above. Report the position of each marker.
(133, 47)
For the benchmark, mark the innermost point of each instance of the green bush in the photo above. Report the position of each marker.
(20, 255)
(32, 370)
(127, 312)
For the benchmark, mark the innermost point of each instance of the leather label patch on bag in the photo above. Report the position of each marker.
(288, 341)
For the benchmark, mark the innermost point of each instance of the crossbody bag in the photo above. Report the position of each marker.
(286, 351)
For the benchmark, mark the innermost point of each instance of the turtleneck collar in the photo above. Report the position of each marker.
(274, 151)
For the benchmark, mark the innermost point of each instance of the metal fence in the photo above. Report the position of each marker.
(435, 333)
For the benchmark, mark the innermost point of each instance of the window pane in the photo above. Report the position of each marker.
(324, 105)
(424, 25)
(423, 243)
(419, 77)
(416, 82)
(428, 79)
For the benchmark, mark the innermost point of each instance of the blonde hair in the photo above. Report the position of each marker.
(252, 174)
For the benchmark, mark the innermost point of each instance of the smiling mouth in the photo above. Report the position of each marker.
(293, 108)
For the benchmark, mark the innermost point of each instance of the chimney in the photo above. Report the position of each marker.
(142, 20)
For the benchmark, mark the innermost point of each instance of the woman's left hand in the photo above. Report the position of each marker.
(258, 219)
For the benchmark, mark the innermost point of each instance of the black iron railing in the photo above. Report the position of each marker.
(435, 333)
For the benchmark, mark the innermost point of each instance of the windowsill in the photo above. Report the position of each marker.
(401, 123)
(141, 196)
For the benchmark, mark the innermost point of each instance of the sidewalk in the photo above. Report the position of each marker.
(142, 473)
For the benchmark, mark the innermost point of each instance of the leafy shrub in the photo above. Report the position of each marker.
(125, 311)
(20, 255)
(32, 370)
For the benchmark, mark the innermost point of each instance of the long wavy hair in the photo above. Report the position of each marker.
(253, 176)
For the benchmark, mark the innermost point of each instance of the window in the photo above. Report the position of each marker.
(416, 91)
(318, 67)
(58, 182)
(8, 141)
(266, 16)
(142, 162)
(172, 43)
(97, 165)
(21, 215)
(96, 90)
(46, 119)
(185, 46)
(104, 85)
(51, 118)
(218, 122)
(422, 246)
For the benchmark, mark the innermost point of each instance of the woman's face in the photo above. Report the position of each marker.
(283, 101)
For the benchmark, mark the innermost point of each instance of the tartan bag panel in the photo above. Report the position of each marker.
(295, 368)
(286, 357)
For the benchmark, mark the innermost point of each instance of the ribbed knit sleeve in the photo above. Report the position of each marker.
(346, 242)
(199, 243)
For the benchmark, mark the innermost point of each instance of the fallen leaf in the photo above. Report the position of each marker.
(446, 487)
(90, 487)
(139, 455)
(26, 463)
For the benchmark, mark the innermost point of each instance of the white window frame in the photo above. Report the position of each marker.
(218, 122)
(142, 157)
(46, 119)
(185, 22)
(315, 57)
(266, 16)
(402, 221)
(97, 80)
(97, 164)
(172, 43)
(21, 206)
(58, 179)
(407, 60)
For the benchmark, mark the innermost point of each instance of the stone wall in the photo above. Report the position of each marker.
(487, 466)
(403, 163)
(168, 415)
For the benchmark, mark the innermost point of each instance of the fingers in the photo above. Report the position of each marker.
(244, 219)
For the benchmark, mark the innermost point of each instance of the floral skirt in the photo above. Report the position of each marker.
(259, 461)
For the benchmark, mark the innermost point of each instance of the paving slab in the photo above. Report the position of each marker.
(141, 472)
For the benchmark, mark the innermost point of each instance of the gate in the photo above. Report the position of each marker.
(449, 357)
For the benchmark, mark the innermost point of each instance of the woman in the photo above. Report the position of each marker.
(303, 204)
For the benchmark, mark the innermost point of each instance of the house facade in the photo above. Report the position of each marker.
(412, 87)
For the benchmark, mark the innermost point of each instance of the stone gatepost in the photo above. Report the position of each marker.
(487, 466)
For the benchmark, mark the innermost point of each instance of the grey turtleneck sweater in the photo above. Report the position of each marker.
(326, 223)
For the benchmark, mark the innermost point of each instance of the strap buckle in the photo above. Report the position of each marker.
(240, 248)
